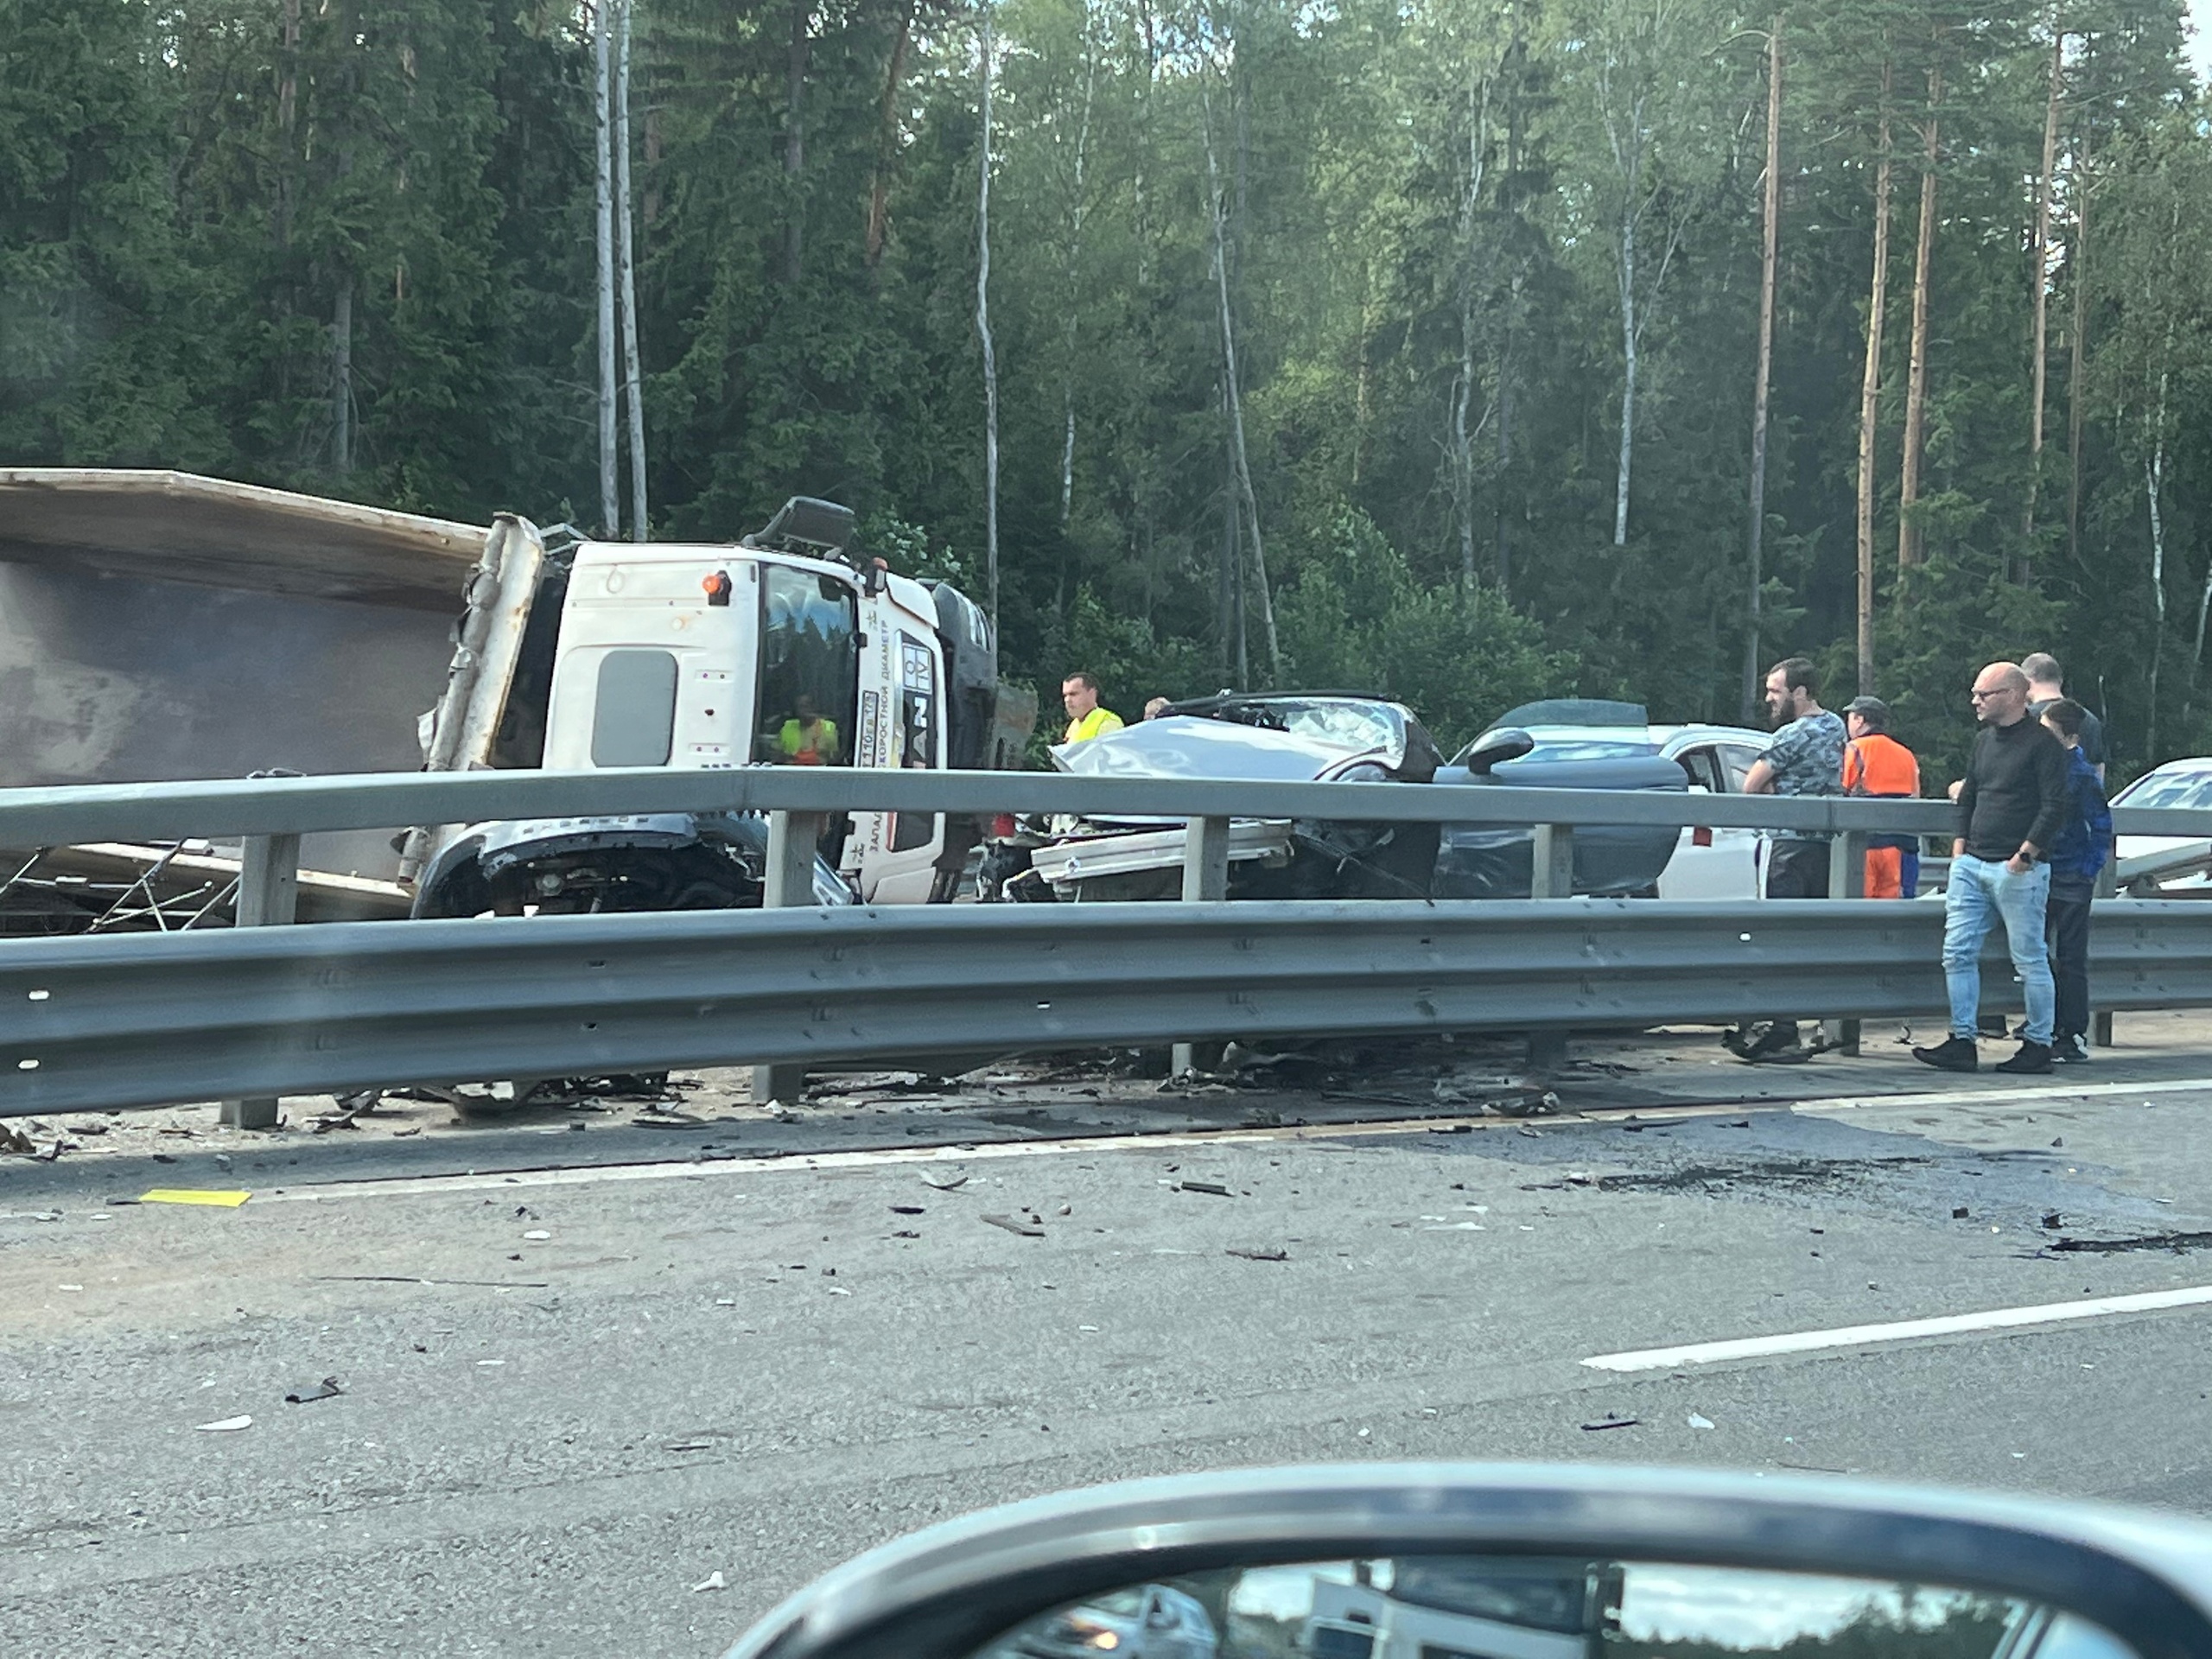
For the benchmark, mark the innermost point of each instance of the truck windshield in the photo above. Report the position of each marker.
(809, 629)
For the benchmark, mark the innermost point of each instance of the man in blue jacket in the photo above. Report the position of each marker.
(2076, 855)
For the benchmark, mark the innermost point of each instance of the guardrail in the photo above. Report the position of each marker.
(269, 815)
(147, 1020)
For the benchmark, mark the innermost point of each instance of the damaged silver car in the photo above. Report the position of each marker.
(1327, 737)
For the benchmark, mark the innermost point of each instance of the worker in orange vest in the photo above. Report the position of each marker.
(1876, 764)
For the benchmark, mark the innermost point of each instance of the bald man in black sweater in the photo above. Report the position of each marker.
(2012, 806)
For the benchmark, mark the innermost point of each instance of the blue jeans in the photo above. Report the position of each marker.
(1982, 892)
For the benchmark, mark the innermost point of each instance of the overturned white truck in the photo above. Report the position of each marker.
(158, 626)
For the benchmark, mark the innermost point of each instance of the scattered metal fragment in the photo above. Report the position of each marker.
(1260, 1255)
(952, 1185)
(1697, 1420)
(227, 1425)
(14, 1140)
(1214, 1187)
(906, 1232)
(1958, 1213)
(1610, 1423)
(906, 1210)
(326, 1389)
(713, 1581)
(1014, 1224)
(688, 1446)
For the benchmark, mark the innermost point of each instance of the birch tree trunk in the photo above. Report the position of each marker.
(1762, 381)
(1628, 377)
(632, 380)
(610, 505)
(983, 335)
(1870, 391)
(1910, 551)
(2040, 265)
(2154, 477)
(1243, 464)
(1463, 434)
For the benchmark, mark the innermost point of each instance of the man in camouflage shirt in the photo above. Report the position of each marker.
(1806, 758)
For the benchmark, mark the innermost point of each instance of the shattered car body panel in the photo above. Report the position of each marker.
(1290, 738)
(632, 862)
(1607, 746)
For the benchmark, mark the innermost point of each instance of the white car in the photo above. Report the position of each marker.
(1709, 863)
(2186, 783)
(1716, 863)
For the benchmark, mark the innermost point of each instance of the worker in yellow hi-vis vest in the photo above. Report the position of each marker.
(1086, 719)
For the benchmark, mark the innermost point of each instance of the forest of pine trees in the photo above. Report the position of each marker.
(1490, 273)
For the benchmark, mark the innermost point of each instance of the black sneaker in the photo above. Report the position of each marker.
(1953, 1054)
(2032, 1061)
(2071, 1048)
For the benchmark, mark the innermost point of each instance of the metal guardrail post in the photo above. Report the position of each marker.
(1205, 881)
(2108, 887)
(268, 896)
(1847, 880)
(1551, 873)
(787, 883)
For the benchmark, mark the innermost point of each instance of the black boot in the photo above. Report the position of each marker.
(2032, 1061)
(1953, 1054)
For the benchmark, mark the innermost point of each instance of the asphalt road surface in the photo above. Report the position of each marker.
(574, 1387)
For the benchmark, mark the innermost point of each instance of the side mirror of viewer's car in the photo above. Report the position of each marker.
(1379, 1560)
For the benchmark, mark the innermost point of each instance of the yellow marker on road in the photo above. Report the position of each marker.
(193, 1195)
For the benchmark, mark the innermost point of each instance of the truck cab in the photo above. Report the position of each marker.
(773, 652)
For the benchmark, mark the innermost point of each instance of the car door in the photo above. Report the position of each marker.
(1714, 862)
(1702, 867)
(1743, 851)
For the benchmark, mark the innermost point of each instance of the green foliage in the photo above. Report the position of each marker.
(1426, 214)
(1356, 621)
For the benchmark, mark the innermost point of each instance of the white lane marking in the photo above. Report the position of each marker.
(1971, 1096)
(1657, 1113)
(1861, 1336)
(403, 1185)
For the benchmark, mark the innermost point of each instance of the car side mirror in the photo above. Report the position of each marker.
(1308, 1559)
(1507, 743)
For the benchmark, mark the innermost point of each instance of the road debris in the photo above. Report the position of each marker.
(324, 1122)
(228, 1425)
(712, 1581)
(1261, 1254)
(908, 1210)
(1213, 1187)
(952, 1185)
(1610, 1423)
(14, 1140)
(1014, 1224)
(536, 1233)
(1958, 1213)
(306, 1392)
(1697, 1420)
(194, 1195)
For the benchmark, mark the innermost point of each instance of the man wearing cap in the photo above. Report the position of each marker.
(1876, 764)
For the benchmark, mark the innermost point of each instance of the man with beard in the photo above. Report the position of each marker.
(1806, 758)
